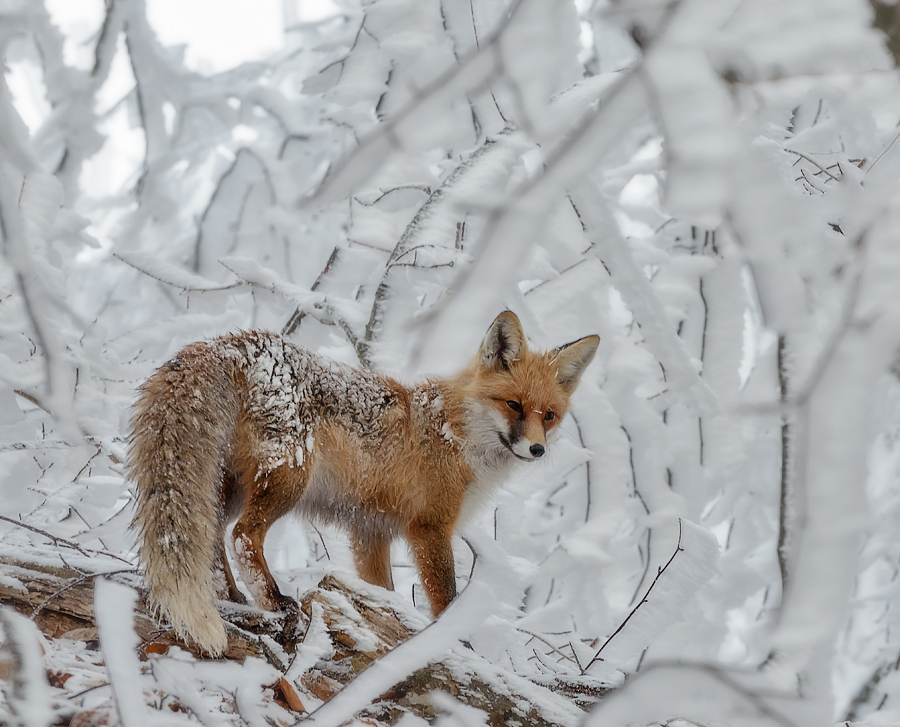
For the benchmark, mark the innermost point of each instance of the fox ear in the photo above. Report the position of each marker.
(572, 359)
(504, 342)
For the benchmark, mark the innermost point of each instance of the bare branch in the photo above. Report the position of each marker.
(587, 466)
(198, 287)
(781, 547)
(298, 315)
(404, 244)
(61, 541)
(678, 549)
(318, 307)
(389, 129)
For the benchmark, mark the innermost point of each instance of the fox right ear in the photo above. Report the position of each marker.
(504, 342)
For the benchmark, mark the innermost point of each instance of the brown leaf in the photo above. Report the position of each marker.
(289, 693)
(57, 678)
(155, 647)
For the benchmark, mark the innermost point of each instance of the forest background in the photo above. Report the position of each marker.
(711, 185)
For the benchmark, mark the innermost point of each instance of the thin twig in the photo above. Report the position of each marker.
(389, 129)
(76, 582)
(785, 469)
(678, 549)
(62, 541)
(186, 289)
(298, 315)
(57, 444)
(812, 161)
(553, 280)
(403, 245)
(587, 465)
(552, 647)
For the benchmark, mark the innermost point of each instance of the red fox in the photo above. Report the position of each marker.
(249, 427)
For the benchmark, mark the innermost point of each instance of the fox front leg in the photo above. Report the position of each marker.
(431, 547)
(373, 559)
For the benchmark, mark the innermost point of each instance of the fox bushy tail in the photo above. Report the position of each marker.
(181, 425)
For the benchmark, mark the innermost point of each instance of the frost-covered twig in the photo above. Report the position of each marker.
(678, 549)
(573, 658)
(18, 254)
(642, 299)
(390, 190)
(298, 315)
(193, 284)
(241, 154)
(557, 277)
(640, 497)
(784, 498)
(478, 48)
(649, 694)
(61, 541)
(405, 243)
(822, 170)
(865, 694)
(587, 467)
(58, 443)
(73, 584)
(389, 129)
(28, 695)
(316, 306)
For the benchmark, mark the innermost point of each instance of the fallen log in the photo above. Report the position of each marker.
(360, 628)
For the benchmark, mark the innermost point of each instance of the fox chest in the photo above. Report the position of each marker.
(481, 489)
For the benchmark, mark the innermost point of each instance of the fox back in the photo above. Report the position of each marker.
(249, 427)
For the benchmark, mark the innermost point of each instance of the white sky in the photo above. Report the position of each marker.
(217, 34)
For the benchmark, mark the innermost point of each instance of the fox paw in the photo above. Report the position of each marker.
(280, 602)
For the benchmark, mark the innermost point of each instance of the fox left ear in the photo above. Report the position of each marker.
(572, 359)
(504, 342)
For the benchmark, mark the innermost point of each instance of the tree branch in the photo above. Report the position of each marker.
(678, 549)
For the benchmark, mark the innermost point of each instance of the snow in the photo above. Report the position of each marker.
(710, 186)
(114, 610)
(27, 694)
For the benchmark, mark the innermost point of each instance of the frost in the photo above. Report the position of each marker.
(114, 608)
(28, 693)
(711, 186)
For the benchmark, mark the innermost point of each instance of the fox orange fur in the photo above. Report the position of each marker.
(249, 427)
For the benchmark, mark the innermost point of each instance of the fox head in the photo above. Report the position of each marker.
(517, 397)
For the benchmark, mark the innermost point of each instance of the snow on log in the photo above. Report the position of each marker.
(296, 666)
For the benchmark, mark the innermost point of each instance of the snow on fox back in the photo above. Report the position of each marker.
(290, 387)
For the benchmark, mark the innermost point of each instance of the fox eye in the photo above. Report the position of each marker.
(550, 415)
(515, 406)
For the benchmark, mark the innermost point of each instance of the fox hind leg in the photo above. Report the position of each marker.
(271, 498)
(228, 589)
(234, 499)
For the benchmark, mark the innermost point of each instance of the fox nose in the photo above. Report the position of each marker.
(537, 450)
